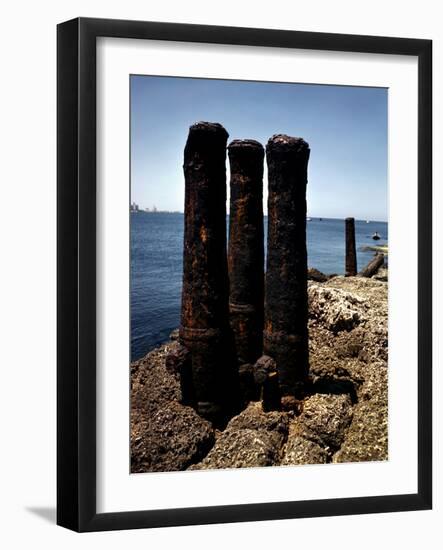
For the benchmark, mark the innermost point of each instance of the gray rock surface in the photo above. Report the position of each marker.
(152, 386)
(251, 439)
(242, 449)
(303, 451)
(343, 417)
(325, 419)
(176, 358)
(172, 438)
(254, 418)
(335, 309)
(165, 435)
(367, 436)
(357, 359)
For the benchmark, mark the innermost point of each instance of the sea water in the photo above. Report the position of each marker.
(156, 267)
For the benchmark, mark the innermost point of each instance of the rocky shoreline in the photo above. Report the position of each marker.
(343, 418)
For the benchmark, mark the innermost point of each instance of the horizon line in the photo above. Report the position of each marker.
(264, 215)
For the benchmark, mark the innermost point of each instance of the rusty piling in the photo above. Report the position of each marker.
(204, 328)
(351, 255)
(246, 248)
(286, 300)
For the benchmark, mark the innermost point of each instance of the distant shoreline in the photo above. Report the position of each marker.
(312, 218)
(155, 212)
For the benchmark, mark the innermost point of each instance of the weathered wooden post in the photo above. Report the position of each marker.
(204, 326)
(246, 248)
(351, 255)
(373, 266)
(286, 300)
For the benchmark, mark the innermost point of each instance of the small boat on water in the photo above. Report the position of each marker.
(308, 219)
(376, 236)
(367, 221)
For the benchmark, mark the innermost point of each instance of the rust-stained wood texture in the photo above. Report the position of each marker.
(351, 254)
(246, 248)
(286, 301)
(204, 326)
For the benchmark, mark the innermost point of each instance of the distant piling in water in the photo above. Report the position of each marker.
(351, 254)
(246, 248)
(286, 300)
(204, 326)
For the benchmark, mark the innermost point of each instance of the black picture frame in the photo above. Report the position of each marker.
(76, 281)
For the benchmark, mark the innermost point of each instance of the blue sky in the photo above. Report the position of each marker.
(346, 128)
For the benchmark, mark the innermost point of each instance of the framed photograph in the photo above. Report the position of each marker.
(244, 274)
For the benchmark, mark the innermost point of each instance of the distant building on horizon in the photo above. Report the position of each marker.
(134, 207)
